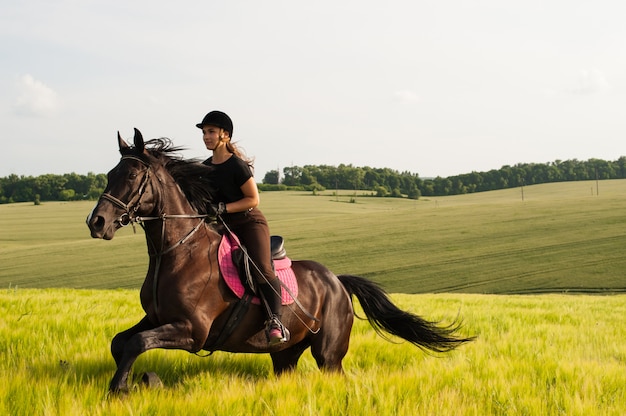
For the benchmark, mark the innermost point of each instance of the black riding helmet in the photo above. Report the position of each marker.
(219, 119)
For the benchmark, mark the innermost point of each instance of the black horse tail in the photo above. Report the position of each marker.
(382, 314)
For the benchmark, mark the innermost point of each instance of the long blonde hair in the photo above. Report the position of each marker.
(239, 152)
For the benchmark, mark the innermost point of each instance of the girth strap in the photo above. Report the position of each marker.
(240, 309)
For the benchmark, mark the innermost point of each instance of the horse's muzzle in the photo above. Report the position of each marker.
(99, 228)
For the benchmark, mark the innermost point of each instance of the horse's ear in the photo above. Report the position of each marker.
(139, 145)
(122, 143)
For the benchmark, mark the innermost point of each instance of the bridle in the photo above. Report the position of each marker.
(130, 208)
(129, 216)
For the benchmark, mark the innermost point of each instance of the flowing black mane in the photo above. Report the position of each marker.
(190, 174)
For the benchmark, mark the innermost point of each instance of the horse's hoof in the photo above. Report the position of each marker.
(116, 392)
(151, 380)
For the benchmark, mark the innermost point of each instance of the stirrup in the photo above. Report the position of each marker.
(275, 331)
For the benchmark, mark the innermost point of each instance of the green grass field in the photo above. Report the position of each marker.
(535, 355)
(561, 238)
(541, 350)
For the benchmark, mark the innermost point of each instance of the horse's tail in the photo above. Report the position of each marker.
(382, 314)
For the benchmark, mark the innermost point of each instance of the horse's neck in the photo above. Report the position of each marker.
(177, 219)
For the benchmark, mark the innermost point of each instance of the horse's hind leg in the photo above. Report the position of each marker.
(330, 345)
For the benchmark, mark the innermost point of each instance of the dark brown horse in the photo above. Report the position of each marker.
(187, 302)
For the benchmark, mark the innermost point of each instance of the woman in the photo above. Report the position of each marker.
(238, 198)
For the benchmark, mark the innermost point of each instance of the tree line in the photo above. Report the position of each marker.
(383, 182)
(50, 187)
(388, 182)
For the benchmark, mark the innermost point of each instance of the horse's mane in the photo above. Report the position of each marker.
(191, 175)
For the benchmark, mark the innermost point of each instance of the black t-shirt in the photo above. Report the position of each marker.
(228, 177)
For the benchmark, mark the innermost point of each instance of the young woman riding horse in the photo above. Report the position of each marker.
(187, 302)
(238, 197)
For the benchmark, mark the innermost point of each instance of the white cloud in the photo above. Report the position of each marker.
(406, 96)
(34, 98)
(590, 81)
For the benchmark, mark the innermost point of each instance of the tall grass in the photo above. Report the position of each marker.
(535, 355)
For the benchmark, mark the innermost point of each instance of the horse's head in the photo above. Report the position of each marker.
(129, 192)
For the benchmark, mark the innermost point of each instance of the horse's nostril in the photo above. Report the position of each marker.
(97, 223)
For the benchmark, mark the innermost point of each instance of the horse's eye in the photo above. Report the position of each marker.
(132, 175)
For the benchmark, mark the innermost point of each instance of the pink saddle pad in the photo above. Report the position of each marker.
(230, 272)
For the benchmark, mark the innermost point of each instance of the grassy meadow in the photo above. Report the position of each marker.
(535, 355)
(524, 275)
(561, 238)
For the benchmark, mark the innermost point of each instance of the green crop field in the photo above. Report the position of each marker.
(524, 275)
(562, 237)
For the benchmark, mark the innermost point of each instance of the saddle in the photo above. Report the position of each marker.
(238, 270)
(244, 265)
(235, 268)
(278, 247)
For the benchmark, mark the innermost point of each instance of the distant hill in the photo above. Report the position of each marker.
(559, 237)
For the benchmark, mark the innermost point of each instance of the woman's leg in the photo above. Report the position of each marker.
(255, 236)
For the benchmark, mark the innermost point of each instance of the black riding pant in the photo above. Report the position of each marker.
(253, 232)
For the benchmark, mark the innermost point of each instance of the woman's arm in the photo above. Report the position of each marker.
(250, 198)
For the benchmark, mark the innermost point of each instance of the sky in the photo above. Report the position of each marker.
(437, 88)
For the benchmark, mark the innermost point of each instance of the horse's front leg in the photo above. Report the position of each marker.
(119, 341)
(169, 336)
